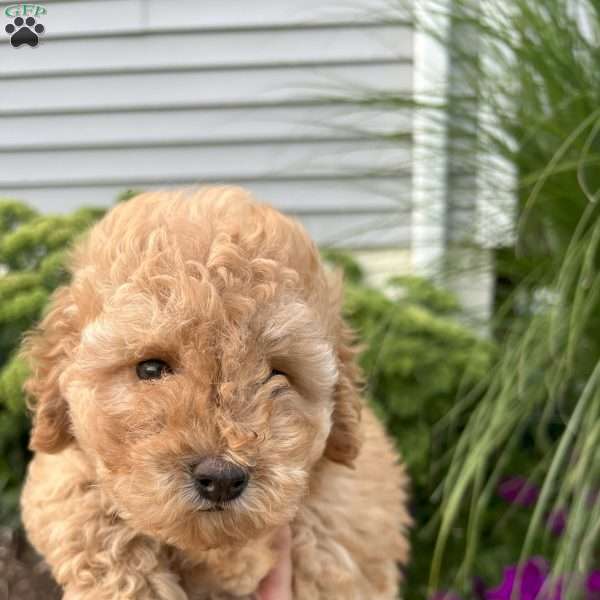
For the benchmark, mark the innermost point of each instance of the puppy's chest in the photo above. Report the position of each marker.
(226, 574)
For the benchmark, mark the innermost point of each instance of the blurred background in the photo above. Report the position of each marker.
(444, 153)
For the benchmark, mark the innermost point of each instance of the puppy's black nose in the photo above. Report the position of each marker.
(219, 480)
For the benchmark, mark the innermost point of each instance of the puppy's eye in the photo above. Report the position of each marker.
(153, 368)
(276, 373)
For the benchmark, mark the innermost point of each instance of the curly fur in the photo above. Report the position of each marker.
(224, 289)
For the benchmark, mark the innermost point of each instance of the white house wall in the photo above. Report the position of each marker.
(140, 93)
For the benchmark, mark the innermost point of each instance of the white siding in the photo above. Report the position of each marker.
(141, 94)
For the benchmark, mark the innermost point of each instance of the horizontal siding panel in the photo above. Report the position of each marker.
(214, 88)
(98, 17)
(214, 50)
(375, 228)
(200, 162)
(359, 231)
(380, 194)
(216, 13)
(195, 125)
(117, 16)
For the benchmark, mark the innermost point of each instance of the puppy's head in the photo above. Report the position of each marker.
(199, 360)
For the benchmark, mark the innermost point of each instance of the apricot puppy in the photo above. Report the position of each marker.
(194, 389)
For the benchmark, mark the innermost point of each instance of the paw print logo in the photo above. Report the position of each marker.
(24, 31)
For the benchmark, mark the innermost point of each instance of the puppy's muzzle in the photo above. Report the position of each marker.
(219, 480)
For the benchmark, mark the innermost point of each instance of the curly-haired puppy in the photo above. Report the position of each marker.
(195, 389)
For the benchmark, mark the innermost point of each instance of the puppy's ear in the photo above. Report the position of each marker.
(344, 441)
(46, 350)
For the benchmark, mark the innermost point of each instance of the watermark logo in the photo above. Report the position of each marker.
(25, 28)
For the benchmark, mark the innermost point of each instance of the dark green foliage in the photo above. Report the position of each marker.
(32, 250)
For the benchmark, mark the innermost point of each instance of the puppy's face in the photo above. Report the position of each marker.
(202, 430)
(204, 391)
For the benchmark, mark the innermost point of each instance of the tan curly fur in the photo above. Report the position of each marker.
(224, 290)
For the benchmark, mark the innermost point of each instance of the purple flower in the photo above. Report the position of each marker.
(592, 586)
(531, 580)
(557, 521)
(519, 490)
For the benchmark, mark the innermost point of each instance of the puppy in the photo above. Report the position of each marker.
(195, 389)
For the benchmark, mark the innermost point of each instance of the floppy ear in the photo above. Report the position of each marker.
(46, 350)
(344, 441)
